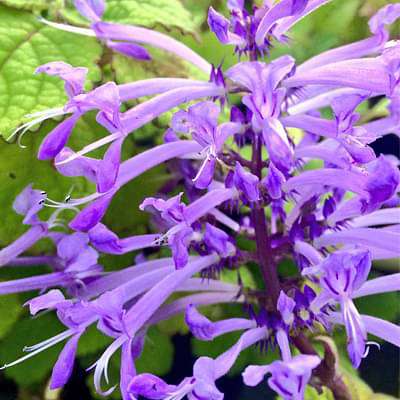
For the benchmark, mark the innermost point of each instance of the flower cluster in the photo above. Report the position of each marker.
(333, 221)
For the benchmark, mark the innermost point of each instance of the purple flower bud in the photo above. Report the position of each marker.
(205, 174)
(179, 243)
(279, 149)
(329, 207)
(286, 306)
(217, 240)
(130, 50)
(104, 239)
(92, 214)
(64, 365)
(274, 181)
(247, 183)
(219, 25)
(55, 141)
(150, 386)
(108, 168)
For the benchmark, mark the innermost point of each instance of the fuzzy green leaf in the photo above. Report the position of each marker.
(34, 5)
(25, 44)
(150, 13)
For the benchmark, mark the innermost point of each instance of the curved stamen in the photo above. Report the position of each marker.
(45, 345)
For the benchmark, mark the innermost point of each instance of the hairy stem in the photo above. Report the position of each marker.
(264, 250)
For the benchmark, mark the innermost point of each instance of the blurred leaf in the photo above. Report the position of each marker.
(247, 278)
(384, 305)
(126, 217)
(158, 353)
(28, 332)
(92, 341)
(25, 44)
(10, 308)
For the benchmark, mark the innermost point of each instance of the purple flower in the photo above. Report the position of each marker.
(74, 78)
(342, 273)
(349, 136)
(179, 219)
(265, 102)
(75, 262)
(104, 98)
(205, 372)
(201, 121)
(28, 203)
(202, 328)
(288, 378)
(108, 242)
(239, 211)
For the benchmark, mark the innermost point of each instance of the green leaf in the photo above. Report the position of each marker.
(158, 353)
(10, 308)
(92, 341)
(34, 5)
(384, 305)
(28, 332)
(150, 13)
(25, 44)
(126, 217)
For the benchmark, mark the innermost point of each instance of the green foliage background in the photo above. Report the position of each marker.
(26, 43)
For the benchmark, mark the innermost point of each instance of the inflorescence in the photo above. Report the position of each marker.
(333, 221)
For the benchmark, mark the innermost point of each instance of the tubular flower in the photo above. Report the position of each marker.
(241, 193)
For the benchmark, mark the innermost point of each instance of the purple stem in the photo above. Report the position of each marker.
(264, 249)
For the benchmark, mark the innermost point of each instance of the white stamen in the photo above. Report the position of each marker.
(101, 366)
(68, 28)
(55, 339)
(180, 393)
(91, 147)
(369, 344)
(38, 118)
(44, 345)
(201, 169)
